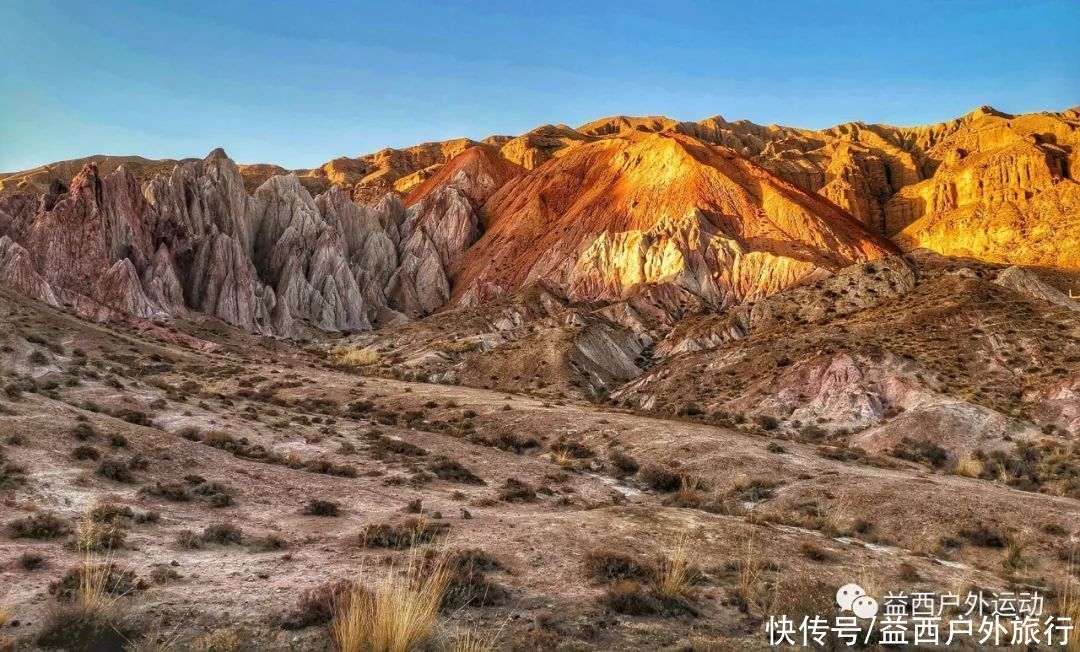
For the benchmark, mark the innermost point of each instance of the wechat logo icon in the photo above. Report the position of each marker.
(853, 598)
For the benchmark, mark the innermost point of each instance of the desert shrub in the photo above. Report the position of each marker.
(190, 540)
(218, 494)
(327, 467)
(572, 449)
(631, 598)
(1054, 529)
(660, 479)
(11, 474)
(96, 537)
(113, 579)
(515, 443)
(268, 543)
(116, 440)
(690, 410)
(385, 446)
(516, 491)
(623, 463)
(78, 628)
(110, 513)
(985, 536)
(413, 532)
(32, 560)
(452, 471)
(317, 606)
(133, 416)
(223, 533)
(921, 452)
(114, 469)
(400, 613)
(191, 434)
(467, 582)
(147, 517)
(610, 566)
(84, 452)
(768, 422)
(44, 525)
(969, 465)
(317, 507)
(83, 431)
(753, 490)
(815, 552)
(223, 441)
(163, 574)
(174, 491)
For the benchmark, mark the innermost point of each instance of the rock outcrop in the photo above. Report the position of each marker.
(611, 216)
(277, 262)
(442, 223)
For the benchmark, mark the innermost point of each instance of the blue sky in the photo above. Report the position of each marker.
(299, 83)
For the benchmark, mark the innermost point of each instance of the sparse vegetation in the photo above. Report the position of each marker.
(660, 479)
(398, 614)
(452, 471)
(44, 525)
(223, 533)
(317, 507)
(610, 566)
(624, 464)
(413, 532)
(516, 491)
(353, 356)
(116, 470)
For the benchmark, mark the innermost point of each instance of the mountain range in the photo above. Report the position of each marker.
(710, 214)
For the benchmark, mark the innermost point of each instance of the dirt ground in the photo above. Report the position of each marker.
(277, 427)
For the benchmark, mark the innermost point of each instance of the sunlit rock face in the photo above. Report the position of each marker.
(667, 218)
(610, 216)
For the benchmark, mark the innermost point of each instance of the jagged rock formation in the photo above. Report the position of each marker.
(277, 262)
(442, 223)
(657, 219)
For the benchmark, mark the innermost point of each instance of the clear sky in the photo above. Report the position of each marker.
(298, 83)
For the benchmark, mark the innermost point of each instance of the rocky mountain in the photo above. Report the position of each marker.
(276, 262)
(675, 217)
(626, 212)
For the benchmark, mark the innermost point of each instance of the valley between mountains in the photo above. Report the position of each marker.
(564, 361)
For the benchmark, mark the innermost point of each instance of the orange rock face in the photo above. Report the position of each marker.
(641, 209)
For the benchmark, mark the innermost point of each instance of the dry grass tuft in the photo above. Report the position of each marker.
(674, 575)
(969, 465)
(1068, 600)
(221, 640)
(472, 641)
(353, 356)
(398, 615)
(751, 586)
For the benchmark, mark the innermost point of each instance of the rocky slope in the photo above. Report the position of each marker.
(275, 262)
(659, 209)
